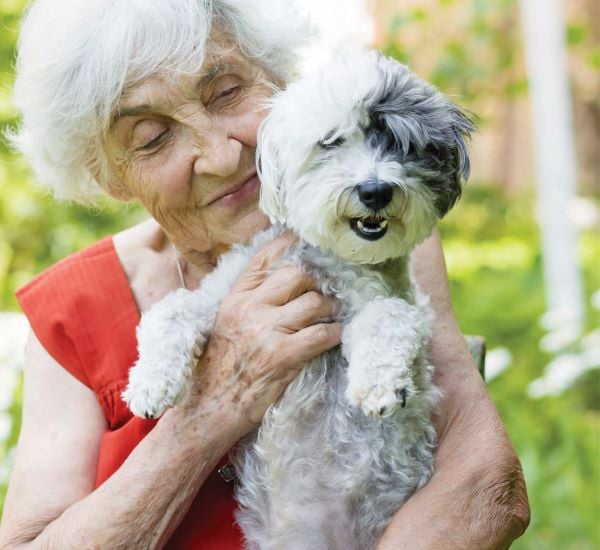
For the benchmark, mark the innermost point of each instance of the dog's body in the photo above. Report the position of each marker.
(351, 438)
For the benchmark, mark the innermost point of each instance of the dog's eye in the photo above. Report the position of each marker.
(328, 144)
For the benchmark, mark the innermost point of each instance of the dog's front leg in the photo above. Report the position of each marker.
(171, 336)
(382, 343)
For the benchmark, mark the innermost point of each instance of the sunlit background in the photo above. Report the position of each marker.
(522, 247)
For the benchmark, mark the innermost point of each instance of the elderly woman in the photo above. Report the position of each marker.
(159, 101)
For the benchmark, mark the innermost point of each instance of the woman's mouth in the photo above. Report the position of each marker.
(248, 190)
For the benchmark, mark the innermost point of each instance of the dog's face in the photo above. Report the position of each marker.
(362, 158)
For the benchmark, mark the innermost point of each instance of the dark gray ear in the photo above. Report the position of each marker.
(455, 163)
(463, 126)
(427, 131)
(432, 136)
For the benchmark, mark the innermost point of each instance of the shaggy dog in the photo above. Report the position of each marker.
(360, 160)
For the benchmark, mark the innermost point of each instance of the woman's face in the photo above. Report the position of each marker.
(185, 147)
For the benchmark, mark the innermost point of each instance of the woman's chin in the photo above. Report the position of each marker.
(246, 226)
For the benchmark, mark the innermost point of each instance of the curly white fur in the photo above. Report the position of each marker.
(351, 438)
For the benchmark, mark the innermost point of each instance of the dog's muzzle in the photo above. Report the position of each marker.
(371, 228)
(375, 195)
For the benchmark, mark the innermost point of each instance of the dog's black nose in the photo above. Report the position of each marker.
(375, 194)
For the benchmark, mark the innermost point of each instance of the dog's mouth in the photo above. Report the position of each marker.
(371, 228)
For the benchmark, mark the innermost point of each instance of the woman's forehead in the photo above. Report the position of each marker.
(168, 83)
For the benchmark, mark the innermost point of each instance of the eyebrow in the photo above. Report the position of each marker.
(126, 112)
(213, 72)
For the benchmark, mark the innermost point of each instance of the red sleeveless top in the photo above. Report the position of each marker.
(84, 314)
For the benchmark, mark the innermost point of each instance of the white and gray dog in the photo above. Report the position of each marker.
(360, 160)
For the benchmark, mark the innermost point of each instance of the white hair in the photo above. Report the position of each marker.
(76, 57)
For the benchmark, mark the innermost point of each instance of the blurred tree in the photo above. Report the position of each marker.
(472, 49)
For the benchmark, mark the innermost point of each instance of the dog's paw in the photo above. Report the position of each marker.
(381, 400)
(151, 396)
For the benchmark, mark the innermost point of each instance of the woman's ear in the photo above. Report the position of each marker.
(270, 172)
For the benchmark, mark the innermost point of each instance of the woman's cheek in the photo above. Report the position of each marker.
(169, 178)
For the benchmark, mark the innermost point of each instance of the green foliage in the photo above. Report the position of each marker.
(480, 56)
(593, 58)
(577, 32)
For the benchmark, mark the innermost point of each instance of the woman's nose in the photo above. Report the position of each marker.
(219, 154)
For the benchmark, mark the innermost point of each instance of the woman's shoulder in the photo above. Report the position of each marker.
(77, 306)
(138, 261)
(77, 272)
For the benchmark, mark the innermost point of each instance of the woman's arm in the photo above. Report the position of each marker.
(51, 501)
(477, 496)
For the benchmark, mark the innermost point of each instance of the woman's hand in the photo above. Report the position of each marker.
(272, 322)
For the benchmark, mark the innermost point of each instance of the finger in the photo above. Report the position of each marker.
(308, 309)
(284, 285)
(257, 269)
(313, 340)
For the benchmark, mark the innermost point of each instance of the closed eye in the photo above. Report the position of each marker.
(155, 141)
(328, 143)
(148, 133)
(228, 91)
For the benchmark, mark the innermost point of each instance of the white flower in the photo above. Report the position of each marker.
(559, 339)
(14, 330)
(560, 374)
(590, 345)
(583, 212)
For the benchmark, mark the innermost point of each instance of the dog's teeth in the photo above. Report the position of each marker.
(371, 228)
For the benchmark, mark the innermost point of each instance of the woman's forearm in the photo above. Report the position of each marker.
(144, 501)
(476, 497)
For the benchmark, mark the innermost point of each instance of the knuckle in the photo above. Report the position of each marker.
(321, 333)
(313, 299)
(257, 263)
